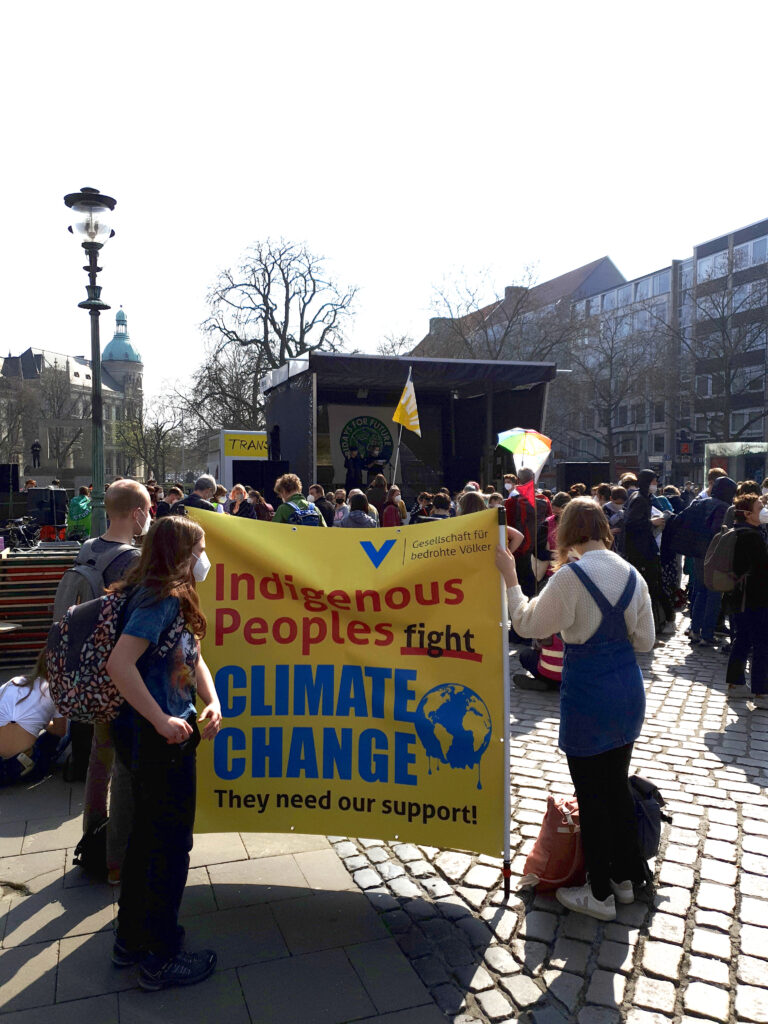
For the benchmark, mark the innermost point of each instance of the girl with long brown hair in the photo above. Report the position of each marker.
(600, 606)
(155, 737)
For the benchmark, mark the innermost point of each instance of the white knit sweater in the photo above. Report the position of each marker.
(566, 607)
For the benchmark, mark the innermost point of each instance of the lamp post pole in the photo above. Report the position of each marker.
(92, 210)
(94, 305)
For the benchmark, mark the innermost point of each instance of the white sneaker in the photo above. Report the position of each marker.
(760, 700)
(582, 901)
(623, 891)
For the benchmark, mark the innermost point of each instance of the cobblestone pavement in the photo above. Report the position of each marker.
(696, 951)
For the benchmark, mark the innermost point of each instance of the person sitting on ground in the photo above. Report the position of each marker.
(470, 502)
(359, 517)
(288, 489)
(544, 661)
(240, 505)
(31, 728)
(165, 505)
(377, 493)
(204, 490)
(317, 494)
(601, 607)
(748, 603)
(341, 510)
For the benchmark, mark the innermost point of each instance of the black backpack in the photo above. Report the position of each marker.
(648, 814)
(91, 851)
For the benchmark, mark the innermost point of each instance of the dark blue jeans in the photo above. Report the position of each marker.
(750, 640)
(705, 607)
(157, 859)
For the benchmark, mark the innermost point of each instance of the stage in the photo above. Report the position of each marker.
(324, 403)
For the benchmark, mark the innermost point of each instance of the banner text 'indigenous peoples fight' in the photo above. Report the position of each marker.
(360, 680)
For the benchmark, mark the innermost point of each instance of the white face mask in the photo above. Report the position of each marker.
(653, 488)
(765, 490)
(764, 515)
(508, 486)
(145, 527)
(201, 567)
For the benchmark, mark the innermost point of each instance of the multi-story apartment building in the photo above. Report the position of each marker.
(652, 368)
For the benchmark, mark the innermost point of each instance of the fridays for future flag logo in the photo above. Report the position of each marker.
(406, 412)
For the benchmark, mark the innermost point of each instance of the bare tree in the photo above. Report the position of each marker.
(395, 345)
(225, 390)
(154, 440)
(518, 325)
(65, 409)
(721, 345)
(280, 301)
(614, 369)
(11, 418)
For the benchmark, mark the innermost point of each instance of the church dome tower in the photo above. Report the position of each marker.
(123, 363)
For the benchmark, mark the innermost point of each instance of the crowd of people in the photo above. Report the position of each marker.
(592, 579)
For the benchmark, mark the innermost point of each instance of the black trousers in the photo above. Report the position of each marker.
(607, 819)
(157, 859)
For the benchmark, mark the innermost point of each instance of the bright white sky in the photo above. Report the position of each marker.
(403, 141)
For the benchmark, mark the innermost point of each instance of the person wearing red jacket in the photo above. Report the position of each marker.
(527, 511)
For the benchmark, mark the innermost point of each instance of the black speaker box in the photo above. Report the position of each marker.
(48, 505)
(9, 477)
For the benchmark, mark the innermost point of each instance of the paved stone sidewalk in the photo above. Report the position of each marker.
(300, 943)
(698, 952)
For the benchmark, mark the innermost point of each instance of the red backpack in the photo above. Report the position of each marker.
(557, 857)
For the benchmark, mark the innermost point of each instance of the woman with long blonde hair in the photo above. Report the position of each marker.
(600, 606)
(157, 667)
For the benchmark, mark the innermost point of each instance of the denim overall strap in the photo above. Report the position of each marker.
(612, 626)
(627, 594)
(597, 595)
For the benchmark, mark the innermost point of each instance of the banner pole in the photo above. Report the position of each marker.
(506, 870)
(393, 481)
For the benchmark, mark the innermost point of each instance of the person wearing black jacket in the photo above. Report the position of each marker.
(706, 516)
(749, 602)
(641, 549)
(239, 503)
(324, 506)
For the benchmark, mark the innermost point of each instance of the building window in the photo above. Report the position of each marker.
(594, 306)
(661, 283)
(710, 267)
(643, 289)
(686, 275)
(658, 412)
(625, 295)
(701, 424)
(642, 320)
(76, 373)
(628, 445)
(621, 414)
(703, 386)
(759, 251)
(685, 414)
(753, 417)
(609, 301)
(658, 444)
(638, 413)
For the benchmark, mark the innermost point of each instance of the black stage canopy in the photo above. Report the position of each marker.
(318, 401)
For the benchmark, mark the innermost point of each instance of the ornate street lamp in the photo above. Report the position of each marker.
(92, 211)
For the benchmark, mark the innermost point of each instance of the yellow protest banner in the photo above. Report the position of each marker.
(361, 680)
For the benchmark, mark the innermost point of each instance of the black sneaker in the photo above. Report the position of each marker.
(124, 956)
(182, 969)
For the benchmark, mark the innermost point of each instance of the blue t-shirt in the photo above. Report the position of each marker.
(170, 680)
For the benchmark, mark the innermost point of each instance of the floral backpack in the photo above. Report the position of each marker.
(77, 652)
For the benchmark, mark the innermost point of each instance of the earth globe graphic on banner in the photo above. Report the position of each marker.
(454, 726)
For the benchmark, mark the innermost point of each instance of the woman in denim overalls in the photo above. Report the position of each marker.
(602, 698)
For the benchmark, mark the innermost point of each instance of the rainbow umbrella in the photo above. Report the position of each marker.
(530, 448)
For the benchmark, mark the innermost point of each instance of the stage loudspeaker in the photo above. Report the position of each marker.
(9, 477)
(48, 505)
